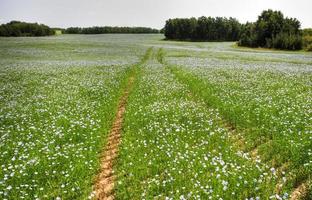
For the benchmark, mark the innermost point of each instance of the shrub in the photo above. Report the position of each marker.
(307, 32)
(307, 42)
(286, 41)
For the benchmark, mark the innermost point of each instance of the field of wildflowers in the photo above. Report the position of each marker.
(266, 99)
(203, 120)
(58, 100)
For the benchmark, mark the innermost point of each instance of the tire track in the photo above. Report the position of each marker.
(105, 180)
(300, 192)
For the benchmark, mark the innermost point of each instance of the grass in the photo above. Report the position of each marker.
(54, 119)
(174, 147)
(270, 107)
(52, 126)
(203, 121)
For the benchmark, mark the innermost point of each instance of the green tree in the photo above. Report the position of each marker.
(272, 30)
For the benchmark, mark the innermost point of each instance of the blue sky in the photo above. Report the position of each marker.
(65, 13)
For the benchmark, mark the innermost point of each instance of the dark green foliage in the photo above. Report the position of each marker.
(203, 29)
(307, 32)
(307, 39)
(73, 30)
(109, 29)
(272, 30)
(248, 36)
(307, 42)
(286, 41)
(17, 29)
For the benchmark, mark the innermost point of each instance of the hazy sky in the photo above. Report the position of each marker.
(152, 13)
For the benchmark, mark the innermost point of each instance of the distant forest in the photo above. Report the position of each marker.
(22, 29)
(109, 29)
(17, 29)
(271, 30)
(203, 29)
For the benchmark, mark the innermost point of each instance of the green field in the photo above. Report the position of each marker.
(204, 120)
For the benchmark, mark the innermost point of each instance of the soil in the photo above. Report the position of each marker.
(104, 186)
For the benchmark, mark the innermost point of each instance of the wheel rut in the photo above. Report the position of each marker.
(104, 186)
(299, 192)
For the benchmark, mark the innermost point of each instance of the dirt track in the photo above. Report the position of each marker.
(104, 186)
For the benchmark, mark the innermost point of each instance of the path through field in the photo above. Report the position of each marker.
(105, 183)
(165, 145)
(104, 186)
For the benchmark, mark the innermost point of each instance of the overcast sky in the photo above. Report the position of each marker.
(151, 13)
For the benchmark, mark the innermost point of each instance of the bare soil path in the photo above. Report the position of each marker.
(299, 192)
(105, 180)
(104, 186)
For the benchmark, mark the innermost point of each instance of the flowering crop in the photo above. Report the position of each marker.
(205, 120)
(174, 147)
(56, 108)
(268, 101)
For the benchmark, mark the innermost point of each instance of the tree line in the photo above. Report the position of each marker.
(17, 29)
(109, 29)
(271, 30)
(203, 29)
